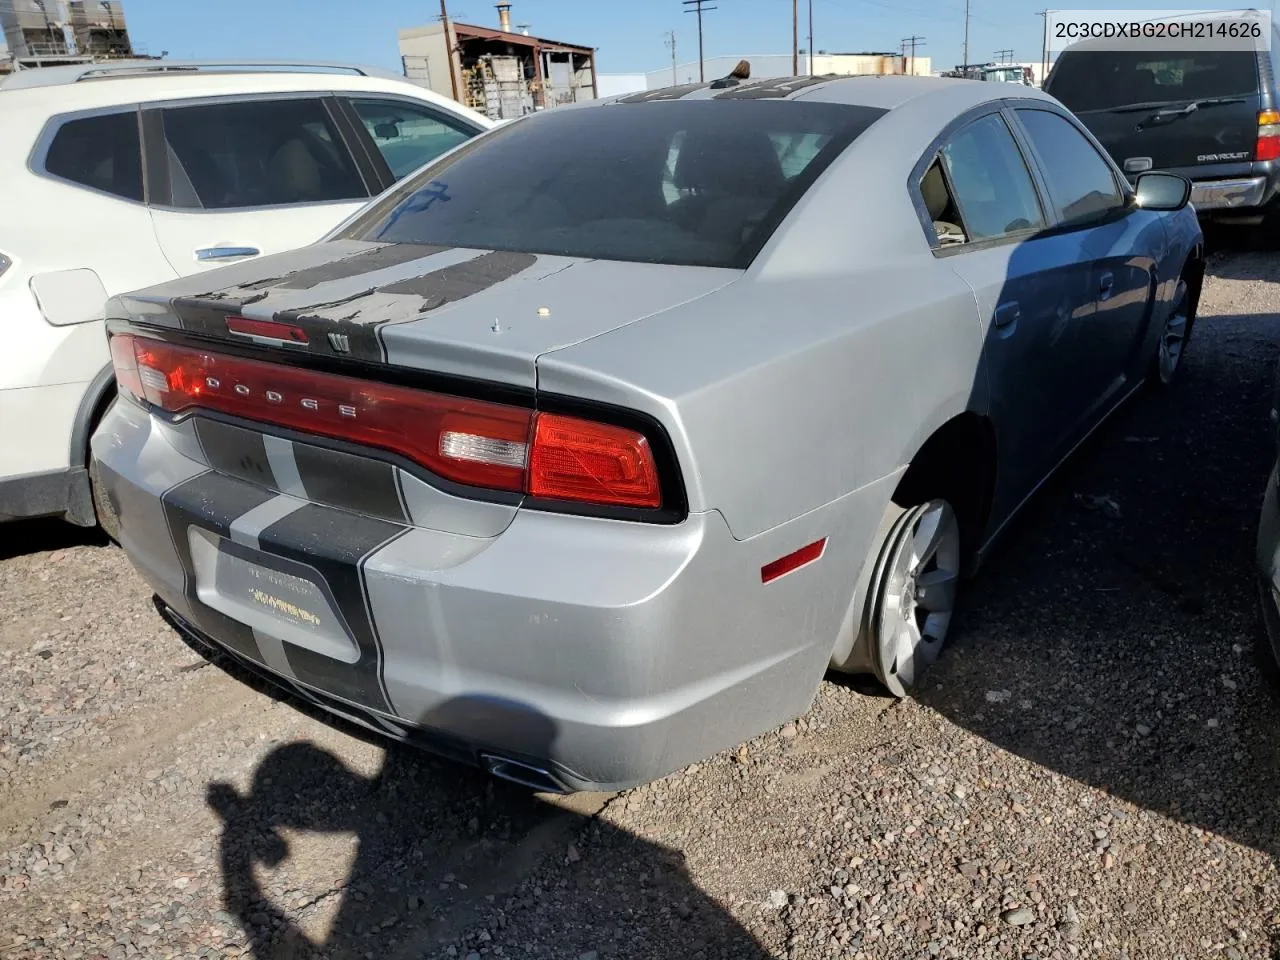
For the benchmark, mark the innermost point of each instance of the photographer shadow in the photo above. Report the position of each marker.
(448, 857)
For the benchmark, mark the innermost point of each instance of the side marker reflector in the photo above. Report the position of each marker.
(792, 561)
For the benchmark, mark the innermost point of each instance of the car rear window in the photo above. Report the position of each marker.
(677, 182)
(1106, 79)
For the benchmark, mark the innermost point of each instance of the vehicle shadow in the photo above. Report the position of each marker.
(1112, 636)
(443, 849)
(20, 538)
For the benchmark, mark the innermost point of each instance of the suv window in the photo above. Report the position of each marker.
(1080, 179)
(257, 153)
(102, 152)
(1106, 79)
(409, 136)
(989, 183)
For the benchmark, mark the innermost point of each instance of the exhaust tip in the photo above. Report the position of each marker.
(524, 774)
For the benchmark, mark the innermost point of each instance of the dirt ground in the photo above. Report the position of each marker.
(1092, 772)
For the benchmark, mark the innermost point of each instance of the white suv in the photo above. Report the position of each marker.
(120, 176)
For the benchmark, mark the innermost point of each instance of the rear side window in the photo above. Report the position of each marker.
(1108, 79)
(101, 152)
(990, 181)
(409, 136)
(700, 182)
(1080, 179)
(257, 154)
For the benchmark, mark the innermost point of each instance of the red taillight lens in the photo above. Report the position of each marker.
(420, 426)
(470, 442)
(126, 366)
(581, 460)
(1268, 147)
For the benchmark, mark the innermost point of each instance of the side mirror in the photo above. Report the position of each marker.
(1162, 191)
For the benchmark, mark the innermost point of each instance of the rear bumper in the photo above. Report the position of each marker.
(607, 653)
(1244, 193)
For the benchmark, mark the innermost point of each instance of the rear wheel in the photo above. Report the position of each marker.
(1176, 334)
(102, 509)
(914, 585)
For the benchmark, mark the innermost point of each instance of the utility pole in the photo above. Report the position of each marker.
(698, 8)
(1044, 47)
(966, 36)
(811, 50)
(448, 49)
(914, 41)
(671, 42)
(795, 38)
(1004, 56)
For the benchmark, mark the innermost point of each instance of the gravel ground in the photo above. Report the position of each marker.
(1093, 771)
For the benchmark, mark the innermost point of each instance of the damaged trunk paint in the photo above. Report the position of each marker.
(486, 314)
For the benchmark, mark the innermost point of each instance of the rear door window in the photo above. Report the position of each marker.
(1089, 80)
(102, 152)
(409, 136)
(991, 184)
(1080, 179)
(257, 153)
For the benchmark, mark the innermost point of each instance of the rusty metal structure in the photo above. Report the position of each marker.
(40, 32)
(499, 71)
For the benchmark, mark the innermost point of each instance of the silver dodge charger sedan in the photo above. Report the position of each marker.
(585, 452)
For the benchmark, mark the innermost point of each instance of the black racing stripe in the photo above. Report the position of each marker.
(462, 280)
(337, 544)
(235, 451)
(773, 89)
(390, 255)
(212, 502)
(351, 482)
(666, 93)
(207, 317)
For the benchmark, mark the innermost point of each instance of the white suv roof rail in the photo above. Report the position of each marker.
(76, 73)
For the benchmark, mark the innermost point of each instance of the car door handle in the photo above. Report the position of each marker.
(225, 253)
(1008, 313)
(1105, 283)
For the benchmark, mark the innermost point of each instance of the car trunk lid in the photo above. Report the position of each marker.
(484, 314)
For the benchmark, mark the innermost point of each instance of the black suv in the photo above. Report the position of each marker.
(1211, 116)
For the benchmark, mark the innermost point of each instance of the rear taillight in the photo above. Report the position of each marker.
(471, 442)
(574, 459)
(1268, 147)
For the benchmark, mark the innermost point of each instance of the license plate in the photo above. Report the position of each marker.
(278, 597)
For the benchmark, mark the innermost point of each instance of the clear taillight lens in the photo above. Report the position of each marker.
(470, 442)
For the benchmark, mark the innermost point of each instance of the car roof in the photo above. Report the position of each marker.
(882, 91)
(63, 89)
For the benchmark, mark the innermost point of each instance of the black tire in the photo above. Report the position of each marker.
(102, 508)
(1186, 303)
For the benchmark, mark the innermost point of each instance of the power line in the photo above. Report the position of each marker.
(698, 9)
(1004, 56)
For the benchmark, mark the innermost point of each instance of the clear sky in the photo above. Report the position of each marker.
(628, 33)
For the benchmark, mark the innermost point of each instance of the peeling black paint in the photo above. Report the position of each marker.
(666, 93)
(379, 258)
(462, 280)
(774, 88)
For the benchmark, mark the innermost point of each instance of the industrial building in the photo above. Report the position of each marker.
(764, 66)
(45, 32)
(500, 72)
